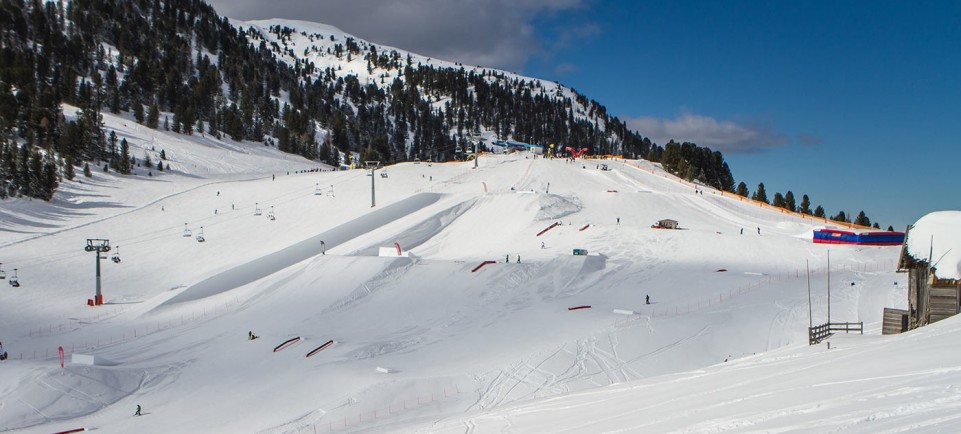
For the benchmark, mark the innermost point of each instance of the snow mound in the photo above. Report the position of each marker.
(938, 236)
(555, 206)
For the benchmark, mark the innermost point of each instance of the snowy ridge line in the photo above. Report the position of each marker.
(705, 302)
(740, 198)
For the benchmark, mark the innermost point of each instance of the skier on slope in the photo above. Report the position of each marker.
(138, 411)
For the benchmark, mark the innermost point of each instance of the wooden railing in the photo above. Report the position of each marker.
(821, 332)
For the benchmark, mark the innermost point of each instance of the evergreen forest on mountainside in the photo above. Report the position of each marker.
(177, 65)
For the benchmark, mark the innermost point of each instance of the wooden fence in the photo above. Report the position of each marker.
(821, 332)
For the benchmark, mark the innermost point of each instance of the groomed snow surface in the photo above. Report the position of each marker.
(420, 342)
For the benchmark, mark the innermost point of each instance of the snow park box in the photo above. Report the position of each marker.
(580, 252)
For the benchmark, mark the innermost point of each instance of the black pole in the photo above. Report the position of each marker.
(98, 273)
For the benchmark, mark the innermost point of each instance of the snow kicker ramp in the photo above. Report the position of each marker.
(308, 248)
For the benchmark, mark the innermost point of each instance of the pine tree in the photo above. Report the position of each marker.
(819, 212)
(49, 179)
(741, 190)
(5, 170)
(124, 163)
(163, 155)
(805, 207)
(760, 195)
(779, 201)
(86, 170)
(138, 114)
(840, 217)
(153, 116)
(68, 169)
(789, 201)
(862, 220)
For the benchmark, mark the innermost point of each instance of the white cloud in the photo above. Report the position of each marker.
(724, 136)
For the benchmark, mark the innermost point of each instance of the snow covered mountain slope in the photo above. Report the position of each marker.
(422, 342)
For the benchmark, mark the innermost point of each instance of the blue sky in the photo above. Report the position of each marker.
(854, 103)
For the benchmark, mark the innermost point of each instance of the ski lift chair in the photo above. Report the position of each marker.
(14, 282)
(257, 210)
(270, 215)
(116, 256)
(187, 233)
(383, 174)
(200, 236)
(3, 274)
(318, 191)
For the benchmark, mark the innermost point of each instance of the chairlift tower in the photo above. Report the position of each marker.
(98, 246)
(372, 166)
(476, 138)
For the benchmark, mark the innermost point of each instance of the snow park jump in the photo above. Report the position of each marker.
(320, 348)
(833, 236)
(287, 343)
(481, 265)
(548, 228)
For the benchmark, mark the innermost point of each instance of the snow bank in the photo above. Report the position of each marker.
(938, 236)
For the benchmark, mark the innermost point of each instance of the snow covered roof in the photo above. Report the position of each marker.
(938, 236)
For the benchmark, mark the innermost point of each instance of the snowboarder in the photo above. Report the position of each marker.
(542, 245)
(518, 259)
(742, 231)
(759, 230)
(138, 411)
(508, 260)
(3, 354)
(647, 299)
(251, 336)
(618, 220)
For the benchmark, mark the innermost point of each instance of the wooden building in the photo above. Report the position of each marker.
(665, 224)
(930, 299)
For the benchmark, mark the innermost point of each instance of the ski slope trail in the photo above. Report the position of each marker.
(310, 247)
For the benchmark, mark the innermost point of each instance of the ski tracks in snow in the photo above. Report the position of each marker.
(533, 379)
